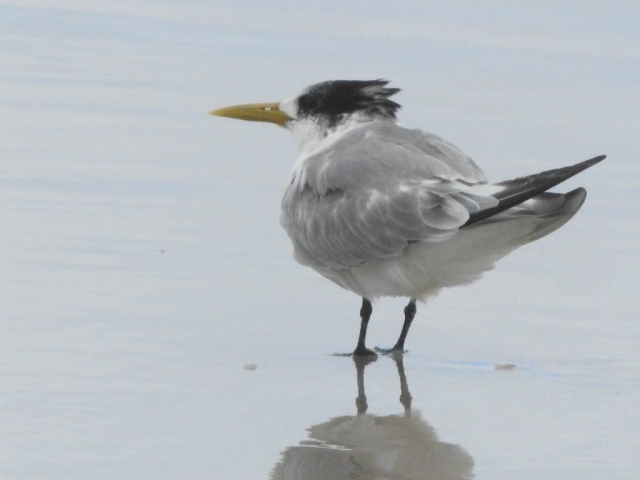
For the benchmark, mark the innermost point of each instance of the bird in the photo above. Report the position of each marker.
(387, 211)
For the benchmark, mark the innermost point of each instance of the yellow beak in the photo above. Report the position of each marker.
(254, 112)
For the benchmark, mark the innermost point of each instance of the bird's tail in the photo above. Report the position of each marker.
(476, 249)
(538, 216)
(512, 193)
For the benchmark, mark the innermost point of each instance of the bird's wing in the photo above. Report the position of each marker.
(514, 192)
(375, 191)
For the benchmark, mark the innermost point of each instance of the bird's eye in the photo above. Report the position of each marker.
(307, 103)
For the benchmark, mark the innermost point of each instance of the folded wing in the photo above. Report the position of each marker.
(382, 187)
(376, 191)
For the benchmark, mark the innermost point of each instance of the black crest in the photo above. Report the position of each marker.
(334, 99)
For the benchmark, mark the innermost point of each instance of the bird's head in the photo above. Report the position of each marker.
(329, 103)
(323, 108)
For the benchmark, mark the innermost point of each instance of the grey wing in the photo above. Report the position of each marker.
(376, 191)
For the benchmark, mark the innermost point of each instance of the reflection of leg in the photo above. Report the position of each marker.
(361, 400)
(365, 315)
(405, 396)
(409, 313)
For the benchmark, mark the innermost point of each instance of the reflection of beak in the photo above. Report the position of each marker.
(255, 112)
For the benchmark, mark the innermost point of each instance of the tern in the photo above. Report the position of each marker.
(383, 210)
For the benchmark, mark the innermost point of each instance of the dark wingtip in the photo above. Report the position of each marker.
(579, 167)
(527, 187)
(597, 159)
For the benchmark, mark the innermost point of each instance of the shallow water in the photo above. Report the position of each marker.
(154, 324)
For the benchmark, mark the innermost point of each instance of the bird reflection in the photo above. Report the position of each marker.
(372, 447)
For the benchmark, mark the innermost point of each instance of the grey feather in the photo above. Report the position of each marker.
(375, 191)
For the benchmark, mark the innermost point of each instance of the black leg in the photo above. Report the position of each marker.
(409, 313)
(365, 315)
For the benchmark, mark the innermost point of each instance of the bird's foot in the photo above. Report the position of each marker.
(362, 351)
(391, 351)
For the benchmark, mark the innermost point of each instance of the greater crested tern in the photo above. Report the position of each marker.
(382, 210)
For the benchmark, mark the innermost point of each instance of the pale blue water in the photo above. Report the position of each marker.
(144, 273)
